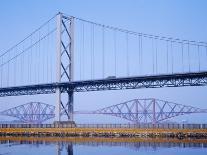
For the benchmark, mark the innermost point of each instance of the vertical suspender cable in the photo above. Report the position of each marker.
(83, 50)
(127, 53)
(172, 55)
(140, 53)
(39, 60)
(182, 57)
(34, 62)
(167, 57)
(91, 52)
(15, 66)
(139, 67)
(199, 67)
(103, 51)
(22, 68)
(80, 50)
(189, 56)
(1, 70)
(115, 52)
(43, 61)
(31, 57)
(29, 62)
(156, 55)
(93, 58)
(12, 70)
(36, 65)
(206, 51)
(52, 73)
(8, 71)
(153, 61)
(47, 51)
(33, 65)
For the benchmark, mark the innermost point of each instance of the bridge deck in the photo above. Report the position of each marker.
(149, 81)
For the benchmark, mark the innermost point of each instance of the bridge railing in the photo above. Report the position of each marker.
(141, 126)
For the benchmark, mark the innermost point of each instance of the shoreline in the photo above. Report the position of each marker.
(105, 132)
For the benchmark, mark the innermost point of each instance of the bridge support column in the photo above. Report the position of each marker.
(70, 105)
(58, 67)
(58, 105)
(64, 65)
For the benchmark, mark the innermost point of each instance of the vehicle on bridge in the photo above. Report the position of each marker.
(111, 77)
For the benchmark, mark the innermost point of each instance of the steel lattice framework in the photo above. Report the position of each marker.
(150, 81)
(33, 112)
(148, 110)
(137, 111)
(64, 66)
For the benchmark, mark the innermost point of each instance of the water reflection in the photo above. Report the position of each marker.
(66, 144)
(69, 148)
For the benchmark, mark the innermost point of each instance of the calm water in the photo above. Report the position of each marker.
(100, 147)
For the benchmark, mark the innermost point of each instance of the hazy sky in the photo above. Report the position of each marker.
(173, 18)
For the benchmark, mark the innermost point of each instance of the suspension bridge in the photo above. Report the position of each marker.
(137, 111)
(69, 54)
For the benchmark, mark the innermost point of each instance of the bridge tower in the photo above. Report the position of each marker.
(64, 65)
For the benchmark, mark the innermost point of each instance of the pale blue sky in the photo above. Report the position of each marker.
(173, 18)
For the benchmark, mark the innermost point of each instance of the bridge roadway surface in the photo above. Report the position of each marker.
(148, 81)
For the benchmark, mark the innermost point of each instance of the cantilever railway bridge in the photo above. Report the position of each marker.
(137, 111)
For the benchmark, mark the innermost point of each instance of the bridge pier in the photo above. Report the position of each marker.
(58, 105)
(70, 105)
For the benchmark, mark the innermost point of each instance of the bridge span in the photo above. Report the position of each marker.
(148, 81)
(149, 110)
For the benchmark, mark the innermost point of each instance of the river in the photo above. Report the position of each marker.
(100, 146)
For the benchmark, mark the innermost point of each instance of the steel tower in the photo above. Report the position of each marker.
(64, 65)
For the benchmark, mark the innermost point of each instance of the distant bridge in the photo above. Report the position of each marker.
(137, 111)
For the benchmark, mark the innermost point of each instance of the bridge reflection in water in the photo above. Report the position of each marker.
(66, 143)
(69, 148)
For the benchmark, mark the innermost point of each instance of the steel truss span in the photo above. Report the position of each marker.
(32, 112)
(155, 81)
(137, 111)
(148, 110)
